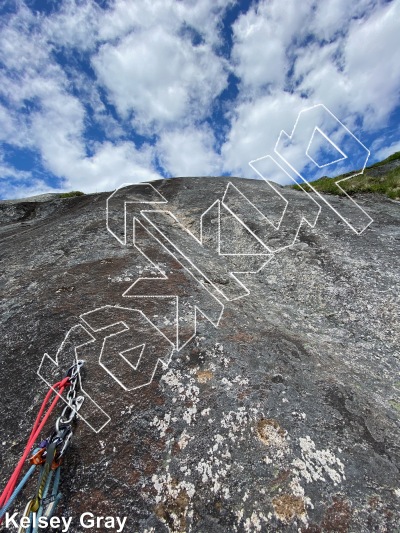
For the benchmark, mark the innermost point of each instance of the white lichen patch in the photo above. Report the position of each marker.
(226, 493)
(215, 466)
(251, 523)
(217, 356)
(241, 381)
(187, 391)
(238, 423)
(218, 462)
(297, 490)
(173, 500)
(161, 424)
(184, 439)
(228, 384)
(272, 435)
(315, 465)
(167, 487)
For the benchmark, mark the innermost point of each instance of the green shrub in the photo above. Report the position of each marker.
(370, 181)
(71, 194)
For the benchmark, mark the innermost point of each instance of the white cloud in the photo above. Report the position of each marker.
(319, 77)
(386, 151)
(189, 152)
(58, 133)
(21, 46)
(126, 16)
(261, 37)
(144, 58)
(55, 125)
(332, 18)
(254, 52)
(255, 129)
(288, 56)
(75, 25)
(342, 55)
(160, 77)
(373, 66)
(7, 171)
(16, 183)
(24, 188)
(113, 165)
(11, 130)
(358, 71)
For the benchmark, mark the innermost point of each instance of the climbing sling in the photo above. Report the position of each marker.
(47, 456)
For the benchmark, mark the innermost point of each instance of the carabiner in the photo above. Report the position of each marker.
(74, 370)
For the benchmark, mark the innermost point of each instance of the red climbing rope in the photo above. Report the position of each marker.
(59, 388)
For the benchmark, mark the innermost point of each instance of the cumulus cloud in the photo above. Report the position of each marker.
(189, 152)
(104, 94)
(125, 17)
(383, 152)
(75, 25)
(372, 65)
(289, 58)
(160, 78)
(53, 120)
(145, 63)
(261, 38)
(255, 127)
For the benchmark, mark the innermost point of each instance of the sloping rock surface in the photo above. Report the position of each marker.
(284, 417)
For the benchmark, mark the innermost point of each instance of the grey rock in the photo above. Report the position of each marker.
(285, 417)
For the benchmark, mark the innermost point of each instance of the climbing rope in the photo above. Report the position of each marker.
(48, 455)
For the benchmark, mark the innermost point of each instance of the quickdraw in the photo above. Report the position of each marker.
(47, 456)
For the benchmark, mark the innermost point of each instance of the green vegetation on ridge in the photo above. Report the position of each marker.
(375, 179)
(71, 194)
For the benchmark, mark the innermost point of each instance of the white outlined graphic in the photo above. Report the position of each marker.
(155, 288)
(124, 195)
(76, 337)
(141, 336)
(320, 132)
(193, 276)
(294, 150)
(186, 247)
(291, 217)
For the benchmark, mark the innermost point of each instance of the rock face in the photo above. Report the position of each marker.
(283, 415)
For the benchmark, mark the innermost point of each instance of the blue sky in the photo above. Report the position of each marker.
(96, 94)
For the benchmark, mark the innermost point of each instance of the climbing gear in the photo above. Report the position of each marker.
(48, 455)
